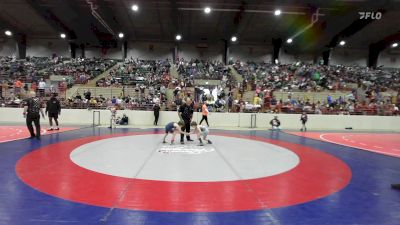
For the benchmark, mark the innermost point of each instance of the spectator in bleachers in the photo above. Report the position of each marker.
(81, 70)
(17, 86)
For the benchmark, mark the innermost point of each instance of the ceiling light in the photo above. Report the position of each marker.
(342, 43)
(277, 12)
(121, 35)
(135, 8)
(178, 37)
(289, 41)
(62, 35)
(394, 45)
(207, 10)
(233, 39)
(8, 33)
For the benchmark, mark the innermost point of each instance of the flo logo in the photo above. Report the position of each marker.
(370, 15)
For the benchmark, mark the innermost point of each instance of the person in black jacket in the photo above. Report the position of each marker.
(156, 109)
(275, 123)
(32, 107)
(185, 114)
(303, 119)
(53, 109)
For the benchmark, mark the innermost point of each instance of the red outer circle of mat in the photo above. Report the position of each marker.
(12, 133)
(386, 144)
(50, 170)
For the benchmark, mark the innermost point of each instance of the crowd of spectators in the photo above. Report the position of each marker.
(310, 77)
(357, 102)
(136, 73)
(17, 77)
(121, 102)
(81, 70)
(364, 87)
(201, 69)
(27, 70)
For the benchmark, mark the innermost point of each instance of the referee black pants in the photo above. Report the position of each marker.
(186, 129)
(36, 121)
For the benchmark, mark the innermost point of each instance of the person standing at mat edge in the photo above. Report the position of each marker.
(204, 112)
(32, 108)
(185, 113)
(156, 109)
(275, 123)
(303, 119)
(53, 110)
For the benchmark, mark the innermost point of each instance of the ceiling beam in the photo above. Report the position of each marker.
(160, 22)
(83, 24)
(347, 32)
(174, 16)
(4, 24)
(51, 19)
(132, 29)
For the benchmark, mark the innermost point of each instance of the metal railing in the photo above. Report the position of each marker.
(96, 112)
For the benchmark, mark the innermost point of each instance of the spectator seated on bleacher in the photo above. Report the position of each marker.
(138, 72)
(81, 70)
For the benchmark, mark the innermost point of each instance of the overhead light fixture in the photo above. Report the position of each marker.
(121, 35)
(289, 41)
(8, 33)
(342, 43)
(135, 8)
(178, 37)
(63, 36)
(277, 12)
(207, 10)
(394, 45)
(233, 39)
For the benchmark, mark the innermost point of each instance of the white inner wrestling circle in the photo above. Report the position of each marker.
(145, 157)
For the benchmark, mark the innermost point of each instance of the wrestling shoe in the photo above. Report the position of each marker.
(396, 186)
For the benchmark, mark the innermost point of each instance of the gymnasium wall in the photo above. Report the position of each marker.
(201, 51)
(97, 52)
(250, 53)
(389, 58)
(289, 58)
(231, 120)
(8, 47)
(150, 50)
(348, 57)
(47, 47)
(163, 50)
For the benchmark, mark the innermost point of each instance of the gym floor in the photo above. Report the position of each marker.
(121, 176)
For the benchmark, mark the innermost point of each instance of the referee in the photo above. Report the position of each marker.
(185, 114)
(32, 107)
